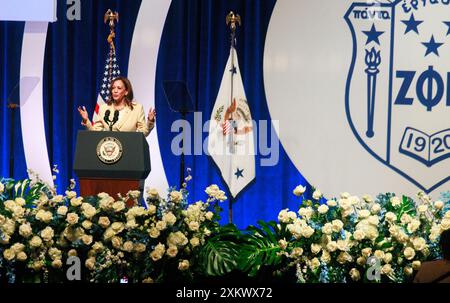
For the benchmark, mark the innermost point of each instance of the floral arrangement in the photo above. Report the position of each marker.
(41, 233)
(345, 239)
(352, 239)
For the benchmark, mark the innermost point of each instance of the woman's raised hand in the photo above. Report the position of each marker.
(151, 115)
(83, 114)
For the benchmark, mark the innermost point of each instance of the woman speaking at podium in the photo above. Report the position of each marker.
(120, 112)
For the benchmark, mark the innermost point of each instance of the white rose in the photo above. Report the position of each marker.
(209, 215)
(342, 245)
(422, 208)
(413, 226)
(332, 246)
(367, 198)
(104, 222)
(153, 193)
(57, 263)
(366, 252)
(315, 248)
(306, 212)
(183, 265)
(445, 224)
(391, 217)
(21, 256)
(317, 195)
(194, 242)
(70, 194)
(20, 201)
(416, 265)
(327, 228)
(373, 220)
(344, 257)
(296, 252)
(194, 226)
(361, 261)
(151, 209)
(323, 209)
(72, 218)
(408, 271)
(62, 210)
(169, 218)
(47, 234)
(87, 239)
(299, 190)
(282, 243)
(387, 258)
(395, 201)
(345, 195)
(118, 206)
(337, 225)
(88, 210)
(35, 241)
(176, 196)
(2, 187)
(375, 209)
(306, 231)
(363, 214)
(154, 232)
(379, 254)
(86, 224)
(419, 243)
(359, 235)
(25, 230)
(409, 253)
(315, 263)
(439, 205)
(90, 263)
(405, 219)
(172, 251)
(326, 257)
(354, 274)
(75, 202)
(9, 254)
(331, 203)
(18, 247)
(386, 269)
(447, 215)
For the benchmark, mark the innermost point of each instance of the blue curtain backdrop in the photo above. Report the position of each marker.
(194, 49)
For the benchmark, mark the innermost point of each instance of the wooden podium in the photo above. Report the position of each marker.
(111, 162)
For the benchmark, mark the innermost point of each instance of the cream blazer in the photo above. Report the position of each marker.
(130, 120)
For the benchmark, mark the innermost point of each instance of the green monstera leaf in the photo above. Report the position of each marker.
(220, 253)
(260, 248)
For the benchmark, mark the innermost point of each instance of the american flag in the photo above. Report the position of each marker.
(110, 72)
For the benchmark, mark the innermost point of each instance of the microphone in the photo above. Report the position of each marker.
(106, 118)
(116, 117)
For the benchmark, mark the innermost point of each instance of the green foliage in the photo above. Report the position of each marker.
(260, 248)
(220, 253)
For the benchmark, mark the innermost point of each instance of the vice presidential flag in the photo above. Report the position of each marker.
(230, 141)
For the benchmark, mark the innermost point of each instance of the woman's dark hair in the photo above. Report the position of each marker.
(444, 243)
(129, 97)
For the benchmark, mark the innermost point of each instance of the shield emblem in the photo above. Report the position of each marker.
(397, 97)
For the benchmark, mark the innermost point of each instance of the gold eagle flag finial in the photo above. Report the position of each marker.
(232, 19)
(112, 18)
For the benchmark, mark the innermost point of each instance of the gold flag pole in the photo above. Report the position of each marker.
(111, 18)
(231, 20)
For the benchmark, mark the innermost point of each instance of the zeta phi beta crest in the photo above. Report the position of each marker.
(397, 97)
